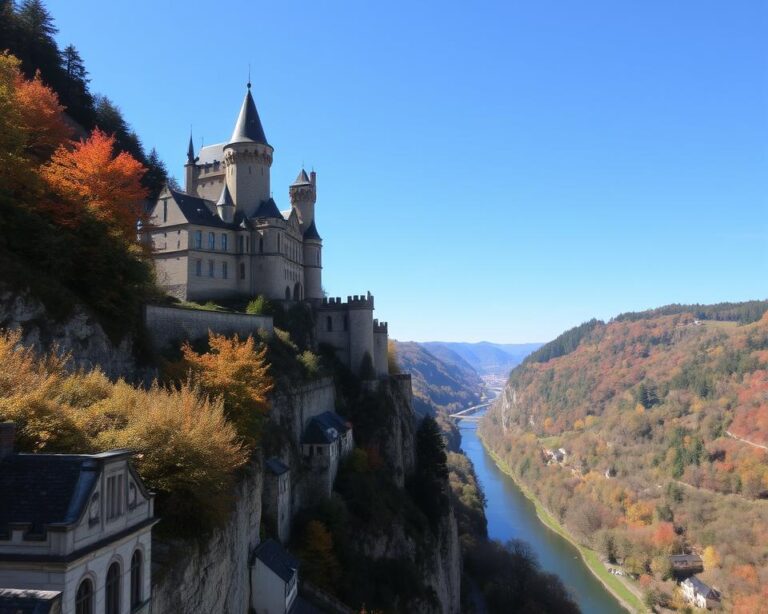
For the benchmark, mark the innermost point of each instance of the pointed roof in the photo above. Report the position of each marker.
(302, 179)
(225, 198)
(248, 126)
(268, 208)
(311, 232)
(190, 151)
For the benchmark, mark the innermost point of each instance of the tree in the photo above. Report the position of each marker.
(109, 186)
(156, 175)
(319, 562)
(238, 372)
(39, 50)
(41, 117)
(710, 558)
(76, 94)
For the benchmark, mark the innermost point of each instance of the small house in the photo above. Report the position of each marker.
(274, 579)
(700, 594)
(686, 563)
(75, 524)
(277, 498)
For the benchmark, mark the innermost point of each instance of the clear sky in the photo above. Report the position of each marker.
(489, 170)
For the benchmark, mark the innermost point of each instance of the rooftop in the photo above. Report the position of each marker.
(277, 558)
(27, 601)
(248, 127)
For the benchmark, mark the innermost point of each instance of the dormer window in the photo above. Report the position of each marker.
(94, 509)
(114, 496)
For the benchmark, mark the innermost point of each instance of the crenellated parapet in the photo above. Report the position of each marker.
(381, 328)
(362, 301)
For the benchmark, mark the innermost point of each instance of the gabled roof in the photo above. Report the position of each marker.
(248, 126)
(276, 466)
(311, 232)
(277, 558)
(28, 601)
(48, 489)
(302, 178)
(685, 558)
(325, 428)
(210, 154)
(197, 211)
(702, 588)
(334, 420)
(225, 198)
(268, 208)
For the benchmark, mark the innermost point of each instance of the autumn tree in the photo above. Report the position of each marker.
(108, 185)
(710, 558)
(237, 371)
(41, 117)
(319, 563)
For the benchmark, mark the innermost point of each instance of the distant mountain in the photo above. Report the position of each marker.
(484, 357)
(442, 380)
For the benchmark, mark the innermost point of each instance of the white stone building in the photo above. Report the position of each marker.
(77, 524)
(274, 579)
(699, 593)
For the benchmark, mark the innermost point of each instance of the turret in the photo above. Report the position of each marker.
(225, 206)
(189, 167)
(247, 159)
(303, 193)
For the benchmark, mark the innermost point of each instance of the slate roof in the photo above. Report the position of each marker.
(196, 211)
(268, 208)
(702, 588)
(277, 558)
(325, 428)
(276, 466)
(686, 558)
(27, 601)
(48, 489)
(248, 127)
(311, 232)
(226, 197)
(302, 178)
(190, 151)
(210, 154)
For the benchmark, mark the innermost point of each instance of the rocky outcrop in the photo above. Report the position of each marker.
(79, 335)
(212, 576)
(397, 441)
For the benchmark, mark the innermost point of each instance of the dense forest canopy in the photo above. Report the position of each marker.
(663, 417)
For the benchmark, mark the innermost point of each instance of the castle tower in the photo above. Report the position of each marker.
(247, 159)
(303, 193)
(225, 206)
(189, 167)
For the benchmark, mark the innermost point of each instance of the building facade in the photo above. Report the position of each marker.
(224, 236)
(79, 525)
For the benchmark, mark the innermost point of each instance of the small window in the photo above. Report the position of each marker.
(224, 242)
(242, 244)
(278, 241)
(224, 270)
(287, 294)
(242, 270)
(210, 268)
(198, 239)
(346, 323)
(114, 496)
(112, 590)
(136, 579)
(211, 240)
(165, 210)
(84, 598)
(329, 324)
(261, 245)
(198, 267)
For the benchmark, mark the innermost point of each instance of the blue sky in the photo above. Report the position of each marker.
(489, 170)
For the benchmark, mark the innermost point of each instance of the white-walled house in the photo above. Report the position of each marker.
(77, 524)
(700, 594)
(277, 498)
(274, 579)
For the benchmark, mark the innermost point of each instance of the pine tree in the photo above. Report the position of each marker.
(37, 45)
(157, 174)
(75, 95)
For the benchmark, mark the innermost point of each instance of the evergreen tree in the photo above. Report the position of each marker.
(8, 25)
(37, 46)
(76, 95)
(156, 175)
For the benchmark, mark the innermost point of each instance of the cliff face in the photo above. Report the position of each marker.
(80, 335)
(397, 440)
(213, 575)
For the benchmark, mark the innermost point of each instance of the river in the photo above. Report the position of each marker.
(512, 516)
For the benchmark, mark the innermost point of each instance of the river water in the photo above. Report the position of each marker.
(512, 516)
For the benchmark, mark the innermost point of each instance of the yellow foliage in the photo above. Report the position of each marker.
(711, 558)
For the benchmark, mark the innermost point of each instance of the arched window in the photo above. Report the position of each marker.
(136, 579)
(287, 293)
(346, 322)
(329, 323)
(261, 245)
(112, 590)
(84, 598)
(278, 241)
(297, 292)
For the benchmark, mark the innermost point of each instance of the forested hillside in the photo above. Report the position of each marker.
(484, 357)
(663, 417)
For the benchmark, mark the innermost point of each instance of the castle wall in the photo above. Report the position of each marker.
(172, 272)
(168, 326)
(313, 271)
(360, 332)
(380, 351)
(208, 181)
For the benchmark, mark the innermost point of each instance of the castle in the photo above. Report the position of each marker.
(224, 237)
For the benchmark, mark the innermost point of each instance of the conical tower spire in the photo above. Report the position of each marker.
(190, 150)
(248, 127)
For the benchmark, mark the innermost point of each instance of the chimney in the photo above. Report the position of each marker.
(7, 437)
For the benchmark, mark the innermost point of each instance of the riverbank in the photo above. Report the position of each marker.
(613, 584)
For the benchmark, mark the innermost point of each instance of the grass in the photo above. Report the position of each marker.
(613, 584)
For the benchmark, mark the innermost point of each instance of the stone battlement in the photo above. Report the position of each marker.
(380, 327)
(362, 301)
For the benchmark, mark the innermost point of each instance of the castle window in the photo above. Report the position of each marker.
(224, 271)
(278, 241)
(287, 293)
(261, 245)
(211, 240)
(224, 242)
(198, 267)
(210, 268)
(84, 598)
(329, 324)
(114, 496)
(317, 258)
(346, 322)
(198, 239)
(136, 579)
(242, 270)
(112, 590)
(242, 244)
(165, 210)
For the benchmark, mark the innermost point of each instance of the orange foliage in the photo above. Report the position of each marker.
(664, 537)
(40, 116)
(108, 185)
